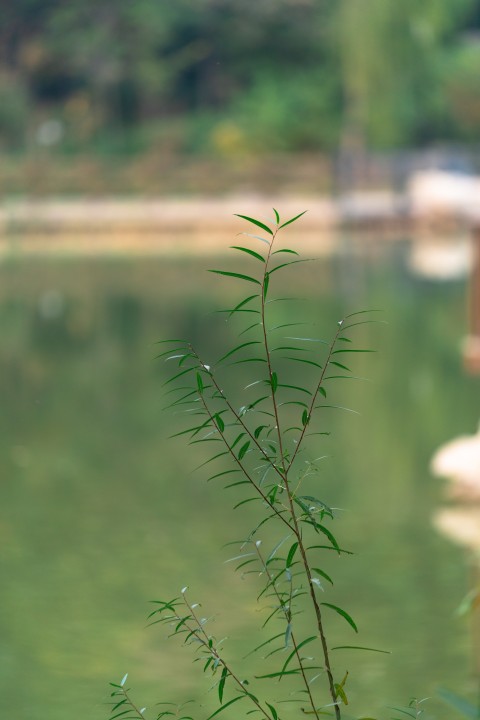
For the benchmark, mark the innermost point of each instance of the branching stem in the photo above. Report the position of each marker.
(242, 467)
(286, 469)
(287, 613)
(211, 649)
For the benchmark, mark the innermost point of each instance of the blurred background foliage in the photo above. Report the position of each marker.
(232, 78)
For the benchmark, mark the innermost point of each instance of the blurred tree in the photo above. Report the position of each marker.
(278, 71)
(389, 55)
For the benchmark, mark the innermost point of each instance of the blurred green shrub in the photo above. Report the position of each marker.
(14, 110)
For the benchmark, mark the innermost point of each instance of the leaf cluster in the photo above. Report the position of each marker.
(260, 449)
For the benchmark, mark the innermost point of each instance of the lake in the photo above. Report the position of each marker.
(100, 512)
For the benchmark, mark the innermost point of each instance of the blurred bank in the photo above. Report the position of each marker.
(205, 96)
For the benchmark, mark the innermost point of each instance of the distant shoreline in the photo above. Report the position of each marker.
(177, 226)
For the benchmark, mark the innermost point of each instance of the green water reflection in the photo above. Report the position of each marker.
(99, 512)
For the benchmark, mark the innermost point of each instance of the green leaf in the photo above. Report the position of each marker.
(256, 222)
(224, 707)
(236, 349)
(302, 360)
(241, 304)
(292, 220)
(323, 574)
(263, 644)
(184, 372)
(258, 430)
(270, 707)
(124, 712)
(361, 312)
(277, 218)
(295, 387)
(329, 535)
(219, 421)
(305, 418)
(243, 450)
(221, 684)
(352, 350)
(240, 276)
(359, 647)
(330, 547)
(285, 250)
(274, 382)
(244, 502)
(199, 383)
(343, 367)
(237, 440)
(322, 391)
(250, 327)
(343, 613)
(266, 282)
(292, 262)
(249, 252)
(291, 554)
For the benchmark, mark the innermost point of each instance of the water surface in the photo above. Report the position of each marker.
(100, 512)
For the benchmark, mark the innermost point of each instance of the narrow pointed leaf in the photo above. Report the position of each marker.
(343, 613)
(266, 282)
(227, 704)
(270, 707)
(292, 220)
(236, 349)
(291, 554)
(256, 222)
(285, 250)
(243, 450)
(242, 304)
(249, 252)
(221, 684)
(274, 382)
(359, 647)
(240, 276)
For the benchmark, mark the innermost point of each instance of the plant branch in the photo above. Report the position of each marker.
(267, 355)
(242, 467)
(237, 417)
(315, 394)
(211, 649)
(288, 617)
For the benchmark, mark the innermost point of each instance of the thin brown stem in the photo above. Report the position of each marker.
(315, 394)
(221, 661)
(268, 357)
(238, 417)
(288, 618)
(286, 469)
(242, 467)
(132, 704)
